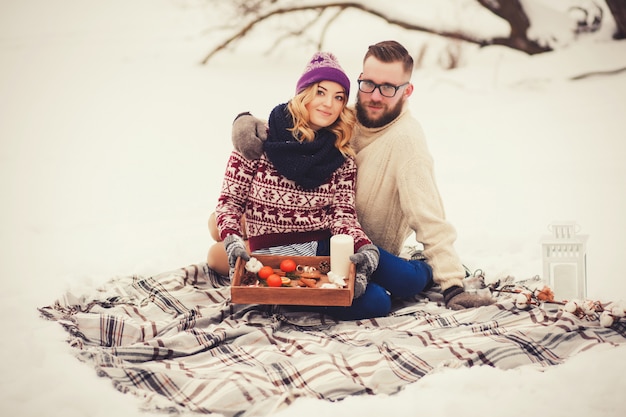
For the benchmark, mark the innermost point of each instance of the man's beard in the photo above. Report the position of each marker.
(387, 117)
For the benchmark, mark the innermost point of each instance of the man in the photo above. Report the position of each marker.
(396, 193)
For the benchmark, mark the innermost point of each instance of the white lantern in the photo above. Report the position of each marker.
(565, 261)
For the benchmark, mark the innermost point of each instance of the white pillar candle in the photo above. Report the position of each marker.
(341, 248)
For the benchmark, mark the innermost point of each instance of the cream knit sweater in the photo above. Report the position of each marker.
(397, 194)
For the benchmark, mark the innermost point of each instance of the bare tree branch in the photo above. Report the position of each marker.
(328, 24)
(596, 73)
(342, 6)
(618, 10)
(511, 11)
(297, 33)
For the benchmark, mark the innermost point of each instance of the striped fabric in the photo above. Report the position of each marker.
(295, 249)
(176, 341)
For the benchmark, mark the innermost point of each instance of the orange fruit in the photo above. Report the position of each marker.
(274, 280)
(265, 272)
(288, 265)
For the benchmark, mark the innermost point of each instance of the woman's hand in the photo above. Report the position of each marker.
(366, 262)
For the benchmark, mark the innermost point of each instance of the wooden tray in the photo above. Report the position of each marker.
(293, 295)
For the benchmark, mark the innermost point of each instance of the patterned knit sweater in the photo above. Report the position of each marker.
(280, 212)
(397, 194)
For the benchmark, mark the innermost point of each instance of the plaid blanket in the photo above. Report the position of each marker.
(176, 341)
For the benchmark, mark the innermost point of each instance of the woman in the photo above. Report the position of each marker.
(301, 189)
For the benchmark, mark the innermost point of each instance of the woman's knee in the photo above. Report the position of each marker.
(420, 278)
(215, 235)
(217, 259)
(401, 277)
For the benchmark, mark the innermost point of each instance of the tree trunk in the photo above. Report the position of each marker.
(618, 10)
(513, 12)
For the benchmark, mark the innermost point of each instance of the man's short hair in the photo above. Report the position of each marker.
(391, 51)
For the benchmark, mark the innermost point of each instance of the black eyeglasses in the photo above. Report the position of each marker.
(386, 90)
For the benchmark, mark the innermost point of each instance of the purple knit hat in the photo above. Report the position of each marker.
(323, 66)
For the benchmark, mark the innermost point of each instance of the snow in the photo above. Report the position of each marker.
(114, 141)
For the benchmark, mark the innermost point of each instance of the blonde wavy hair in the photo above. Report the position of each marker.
(343, 127)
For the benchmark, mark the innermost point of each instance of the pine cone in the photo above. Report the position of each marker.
(248, 278)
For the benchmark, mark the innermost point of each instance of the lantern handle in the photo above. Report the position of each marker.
(556, 228)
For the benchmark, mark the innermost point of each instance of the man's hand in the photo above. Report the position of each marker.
(249, 133)
(366, 262)
(456, 298)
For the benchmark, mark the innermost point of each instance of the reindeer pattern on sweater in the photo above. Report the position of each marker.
(278, 211)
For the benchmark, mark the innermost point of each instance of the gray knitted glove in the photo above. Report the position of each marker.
(235, 248)
(456, 298)
(249, 133)
(366, 262)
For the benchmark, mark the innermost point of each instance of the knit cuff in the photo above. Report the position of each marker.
(360, 243)
(228, 232)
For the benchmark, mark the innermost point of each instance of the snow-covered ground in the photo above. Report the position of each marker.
(113, 144)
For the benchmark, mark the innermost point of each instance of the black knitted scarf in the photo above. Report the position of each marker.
(309, 164)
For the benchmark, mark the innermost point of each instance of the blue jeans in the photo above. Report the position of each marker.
(394, 277)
